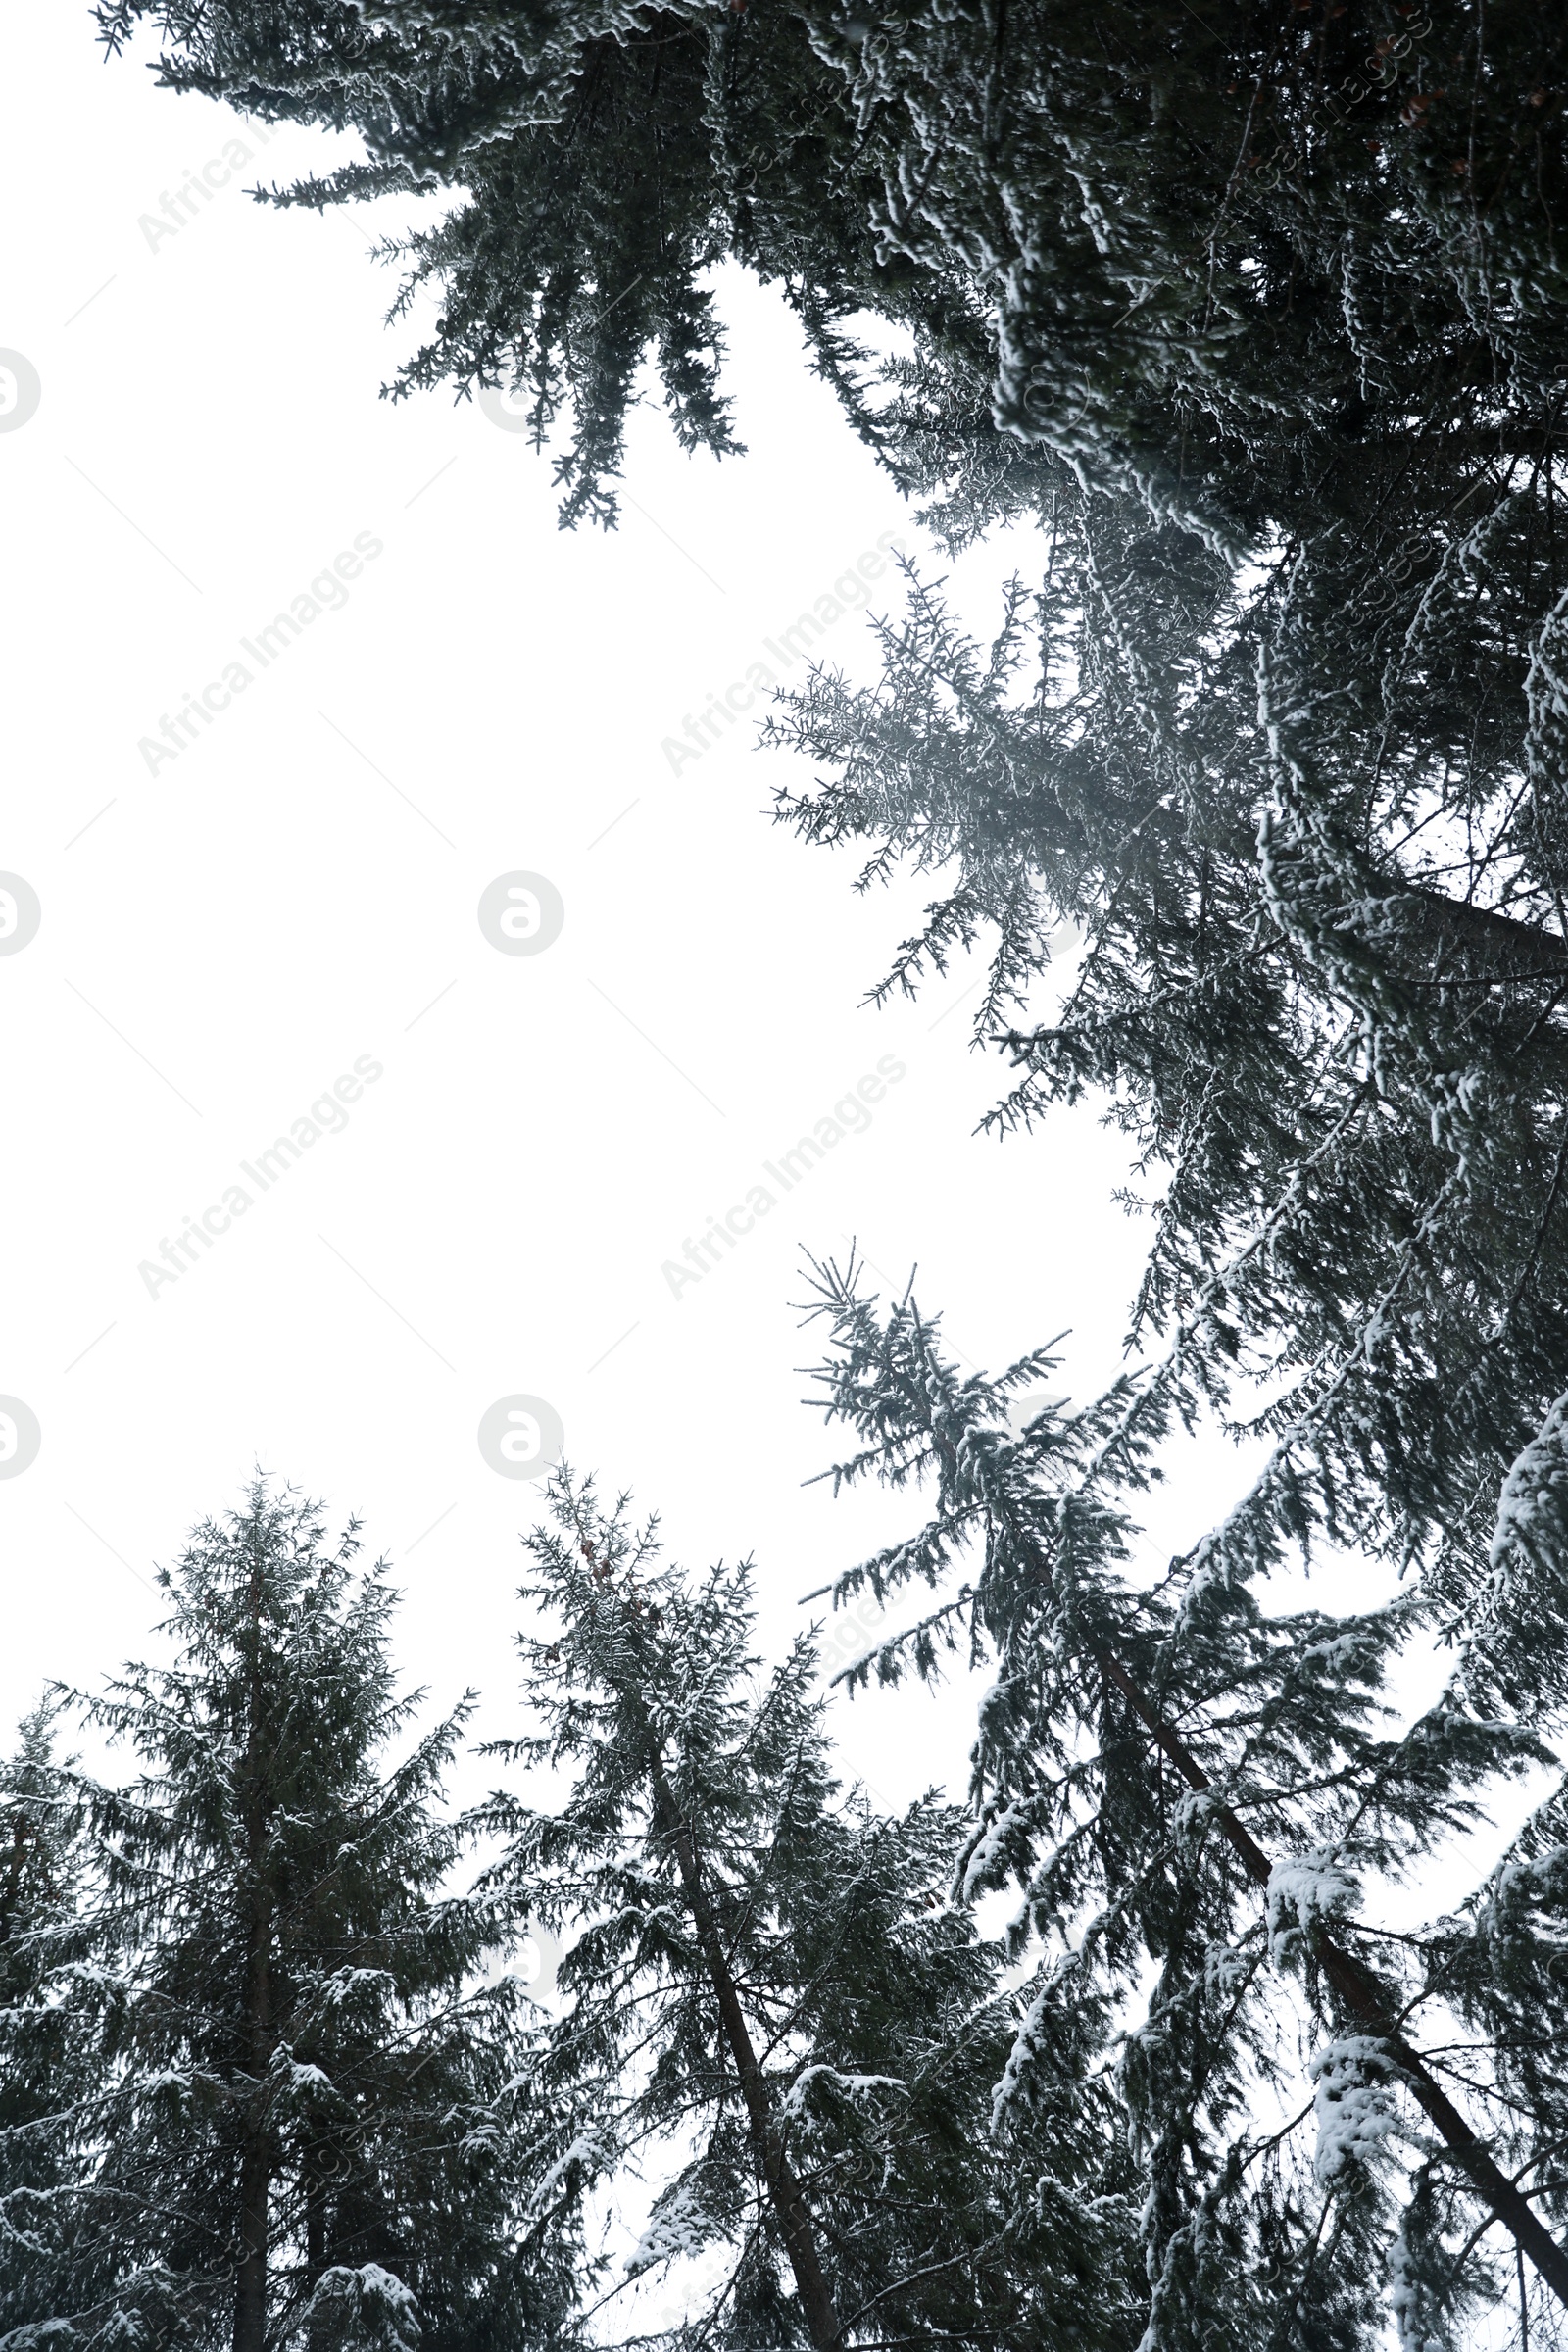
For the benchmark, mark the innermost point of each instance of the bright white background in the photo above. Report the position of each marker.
(221, 940)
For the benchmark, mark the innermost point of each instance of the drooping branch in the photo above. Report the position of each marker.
(1364, 1999)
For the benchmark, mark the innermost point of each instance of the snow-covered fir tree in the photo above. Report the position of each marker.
(307, 2135)
(1340, 2125)
(51, 2021)
(769, 2000)
(1321, 974)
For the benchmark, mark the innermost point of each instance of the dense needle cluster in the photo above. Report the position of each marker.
(1203, 1804)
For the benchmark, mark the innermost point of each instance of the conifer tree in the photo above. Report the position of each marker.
(1319, 989)
(50, 2029)
(307, 2137)
(768, 1998)
(1201, 1805)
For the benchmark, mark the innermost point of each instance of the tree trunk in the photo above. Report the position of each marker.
(313, 2175)
(788, 2198)
(256, 2160)
(250, 2287)
(255, 2157)
(1530, 952)
(1364, 1999)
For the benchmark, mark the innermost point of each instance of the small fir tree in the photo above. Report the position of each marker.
(768, 1997)
(308, 2136)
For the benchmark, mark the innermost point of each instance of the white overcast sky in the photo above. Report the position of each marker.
(298, 891)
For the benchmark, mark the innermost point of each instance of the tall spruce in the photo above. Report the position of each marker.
(768, 2000)
(308, 2137)
(1321, 984)
(1203, 1805)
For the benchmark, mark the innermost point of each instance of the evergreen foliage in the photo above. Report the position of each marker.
(1200, 1803)
(305, 2133)
(50, 2018)
(263, 2086)
(769, 2002)
(1228, 261)
(1319, 989)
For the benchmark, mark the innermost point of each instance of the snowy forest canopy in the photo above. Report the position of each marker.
(272, 2073)
(1257, 314)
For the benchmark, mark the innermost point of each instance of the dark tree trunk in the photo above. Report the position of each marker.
(255, 2162)
(1511, 948)
(1364, 1999)
(788, 2198)
(316, 2230)
(250, 2289)
(256, 2159)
